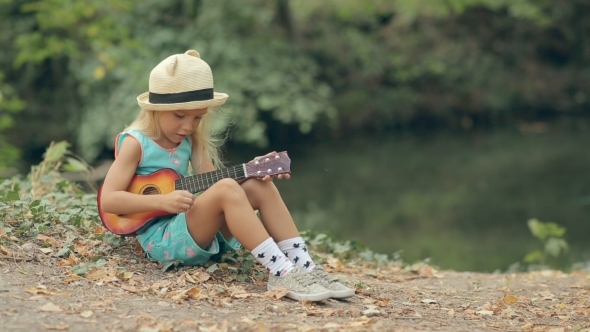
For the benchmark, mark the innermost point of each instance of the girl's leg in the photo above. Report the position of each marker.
(265, 197)
(278, 222)
(227, 207)
(224, 207)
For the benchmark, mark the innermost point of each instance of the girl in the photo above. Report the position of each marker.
(172, 130)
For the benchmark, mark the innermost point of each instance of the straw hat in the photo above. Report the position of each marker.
(181, 82)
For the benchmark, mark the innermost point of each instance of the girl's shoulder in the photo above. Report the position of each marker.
(134, 134)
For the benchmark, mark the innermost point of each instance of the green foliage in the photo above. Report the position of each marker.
(393, 64)
(551, 235)
(411, 11)
(23, 215)
(72, 29)
(327, 66)
(241, 263)
(34, 205)
(346, 251)
(9, 105)
(267, 77)
(43, 177)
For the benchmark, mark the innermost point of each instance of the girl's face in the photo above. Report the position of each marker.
(177, 125)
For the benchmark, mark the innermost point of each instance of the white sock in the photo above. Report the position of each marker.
(296, 250)
(270, 256)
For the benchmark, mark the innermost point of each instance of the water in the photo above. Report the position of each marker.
(462, 201)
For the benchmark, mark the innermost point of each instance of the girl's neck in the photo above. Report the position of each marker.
(165, 144)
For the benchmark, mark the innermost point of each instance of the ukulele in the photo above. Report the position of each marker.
(167, 180)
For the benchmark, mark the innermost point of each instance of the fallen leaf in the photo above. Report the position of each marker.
(201, 276)
(425, 271)
(485, 313)
(38, 290)
(131, 289)
(127, 275)
(556, 329)
(510, 299)
(335, 264)
(429, 301)
(241, 295)
(50, 307)
(47, 239)
(5, 251)
(194, 292)
(96, 274)
(59, 327)
(276, 293)
(86, 314)
(46, 250)
(371, 312)
(331, 326)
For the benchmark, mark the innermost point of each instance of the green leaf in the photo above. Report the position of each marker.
(75, 165)
(12, 196)
(533, 257)
(212, 268)
(80, 270)
(555, 246)
(65, 250)
(56, 151)
(169, 264)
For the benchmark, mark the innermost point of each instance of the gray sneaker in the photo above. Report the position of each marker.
(337, 289)
(300, 284)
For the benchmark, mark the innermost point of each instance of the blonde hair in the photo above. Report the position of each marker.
(207, 141)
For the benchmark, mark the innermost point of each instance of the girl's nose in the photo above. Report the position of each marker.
(188, 126)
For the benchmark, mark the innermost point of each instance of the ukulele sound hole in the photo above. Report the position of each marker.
(150, 190)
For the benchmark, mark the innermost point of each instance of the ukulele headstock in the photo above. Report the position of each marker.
(272, 164)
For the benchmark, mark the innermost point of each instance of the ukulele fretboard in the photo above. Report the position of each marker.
(201, 182)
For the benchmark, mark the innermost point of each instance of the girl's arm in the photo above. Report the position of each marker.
(116, 199)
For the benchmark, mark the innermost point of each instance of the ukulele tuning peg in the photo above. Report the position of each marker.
(277, 157)
(256, 162)
(267, 160)
(280, 169)
(269, 171)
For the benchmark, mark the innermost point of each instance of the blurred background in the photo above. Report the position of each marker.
(430, 129)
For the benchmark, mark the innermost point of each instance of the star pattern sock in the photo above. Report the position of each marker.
(296, 251)
(270, 256)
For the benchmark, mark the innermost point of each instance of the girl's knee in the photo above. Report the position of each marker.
(228, 188)
(262, 187)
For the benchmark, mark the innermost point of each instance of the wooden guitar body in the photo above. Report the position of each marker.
(159, 182)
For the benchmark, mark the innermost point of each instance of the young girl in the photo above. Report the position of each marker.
(172, 130)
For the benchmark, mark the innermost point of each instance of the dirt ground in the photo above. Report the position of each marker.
(39, 292)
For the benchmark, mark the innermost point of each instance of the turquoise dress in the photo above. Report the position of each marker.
(166, 239)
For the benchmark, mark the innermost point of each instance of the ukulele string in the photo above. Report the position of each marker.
(205, 180)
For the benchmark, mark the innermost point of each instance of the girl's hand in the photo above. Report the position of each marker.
(285, 176)
(266, 178)
(177, 201)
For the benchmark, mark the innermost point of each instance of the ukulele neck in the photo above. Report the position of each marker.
(200, 182)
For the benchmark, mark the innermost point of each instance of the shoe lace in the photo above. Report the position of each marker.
(305, 279)
(325, 276)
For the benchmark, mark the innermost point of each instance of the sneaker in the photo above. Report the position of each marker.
(336, 286)
(300, 284)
